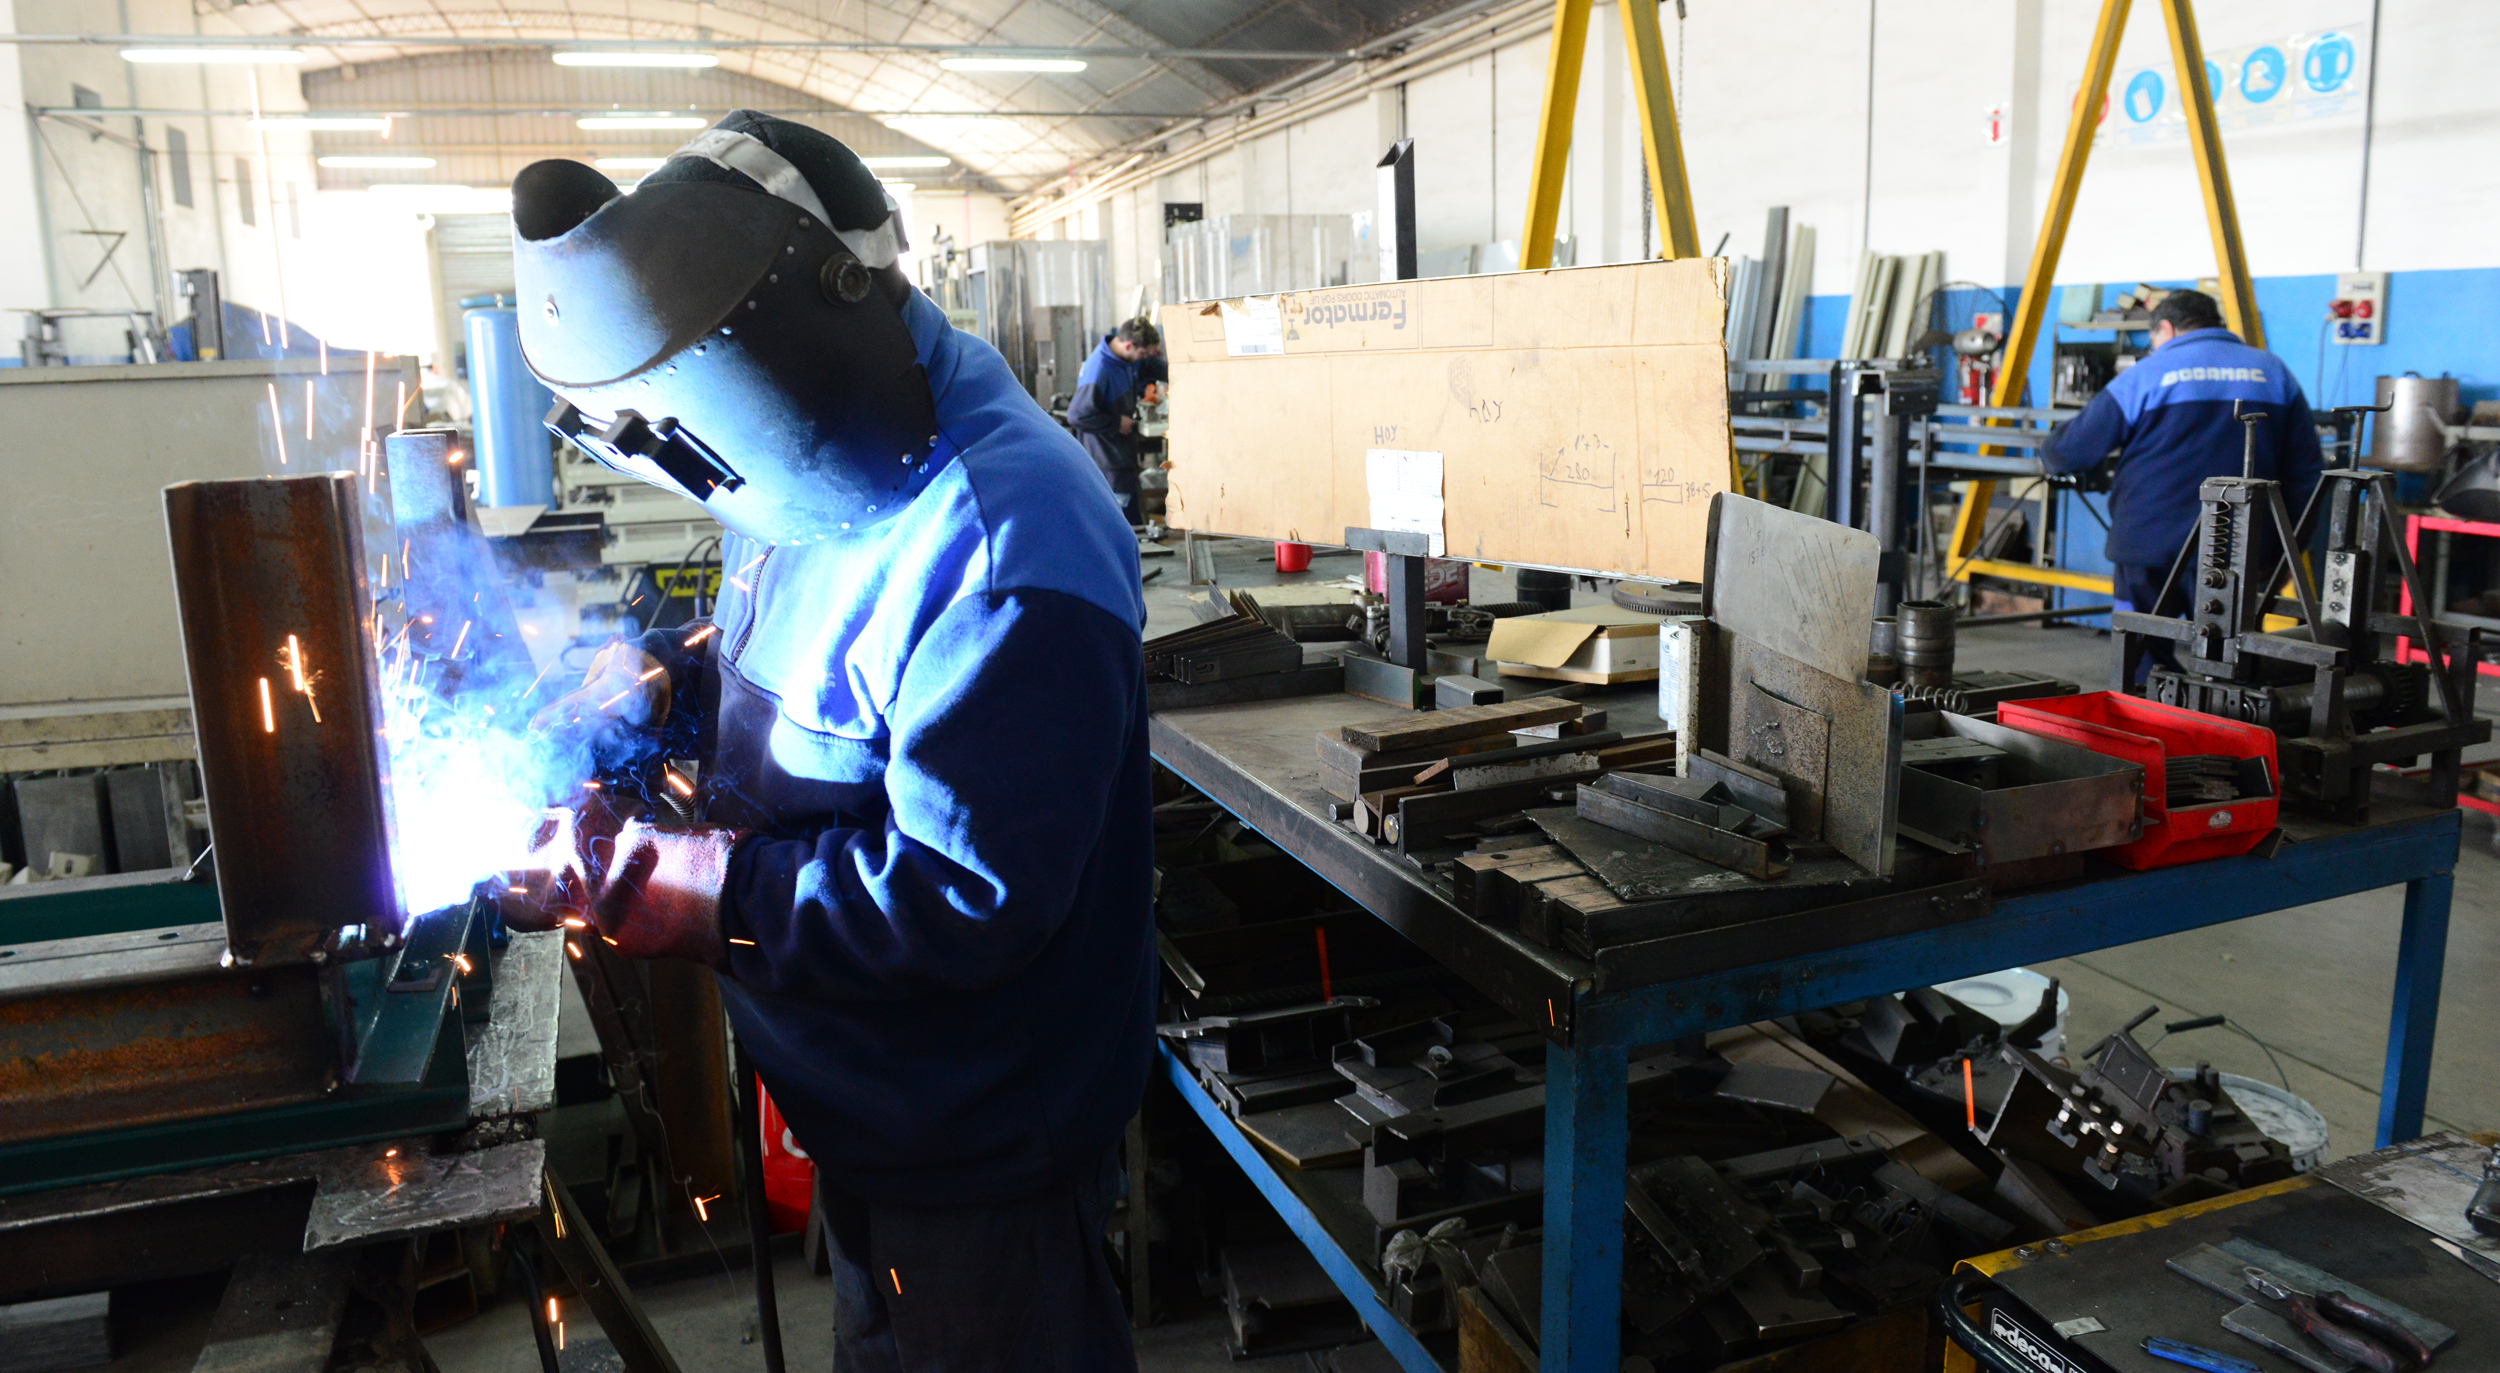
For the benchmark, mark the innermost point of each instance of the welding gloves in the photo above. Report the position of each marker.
(649, 892)
(623, 683)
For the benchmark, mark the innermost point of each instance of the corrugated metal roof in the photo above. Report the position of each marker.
(1040, 125)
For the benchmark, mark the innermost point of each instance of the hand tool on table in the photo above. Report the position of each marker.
(2197, 1356)
(2352, 1329)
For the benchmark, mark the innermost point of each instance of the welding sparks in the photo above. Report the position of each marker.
(399, 412)
(308, 408)
(552, 1317)
(676, 783)
(291, 658)
(575, 922)
(573, 948)
(277, 421)
(740, 583)
(268, 711)
(702, 1211)
(559, 1334)
(464, 637)
(461, 961)
(746, 943)
(392, 1152)
(702, 634)
(752, 564)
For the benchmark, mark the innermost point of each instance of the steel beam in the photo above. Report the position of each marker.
(269, 577)
(1586, 1133)
(2413, 1021)
(2213, 175)
(2031, 309)
(1566, 49)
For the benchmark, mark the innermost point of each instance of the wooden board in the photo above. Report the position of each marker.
(1579, 416)
(1459, 722)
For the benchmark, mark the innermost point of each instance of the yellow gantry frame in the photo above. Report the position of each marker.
(2239, 296)
(1660, 142)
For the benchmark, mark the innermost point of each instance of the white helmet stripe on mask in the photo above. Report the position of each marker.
(748, 156)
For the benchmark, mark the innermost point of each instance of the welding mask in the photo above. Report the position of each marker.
(731, 329)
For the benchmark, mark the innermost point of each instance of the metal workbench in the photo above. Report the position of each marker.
(1259, 762)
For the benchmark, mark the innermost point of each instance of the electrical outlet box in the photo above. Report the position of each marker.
(2359, 310)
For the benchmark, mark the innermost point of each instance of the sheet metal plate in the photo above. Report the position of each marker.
(1861, 757)
(512, 1057)
(1797, 584)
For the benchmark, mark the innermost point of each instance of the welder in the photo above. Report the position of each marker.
(1103, 411)
(923, 869)
(2170, 419)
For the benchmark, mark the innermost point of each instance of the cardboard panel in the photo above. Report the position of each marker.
(1581, 414)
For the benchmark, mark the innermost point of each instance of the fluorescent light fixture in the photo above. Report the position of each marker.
(636, 59)
(205, 54)
(599, 123)
(627, 164)
(395, 163)
(898, 164)
(325, 123)
(1012, 64)
(906, 187)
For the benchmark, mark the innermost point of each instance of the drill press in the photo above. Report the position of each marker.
(2322, 684)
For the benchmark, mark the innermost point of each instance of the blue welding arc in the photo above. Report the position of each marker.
(2328, 63)
(2144, 96)
(2261, 75)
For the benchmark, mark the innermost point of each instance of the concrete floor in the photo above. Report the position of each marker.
(708, 1324)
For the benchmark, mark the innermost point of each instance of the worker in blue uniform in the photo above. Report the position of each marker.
(923, 869)
(1103, 412)
(2169, 419)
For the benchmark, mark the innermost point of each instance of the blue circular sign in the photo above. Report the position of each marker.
(2261, 75)
(2328, 64)
(2144, 96)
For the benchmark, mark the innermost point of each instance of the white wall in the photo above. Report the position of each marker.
(1775, 102)
(24, 267)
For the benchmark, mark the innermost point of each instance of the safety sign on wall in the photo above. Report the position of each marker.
(2321, 74)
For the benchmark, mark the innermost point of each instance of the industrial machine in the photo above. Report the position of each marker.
(2322, 684)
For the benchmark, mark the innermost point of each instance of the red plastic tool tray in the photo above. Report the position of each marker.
(2148, 733)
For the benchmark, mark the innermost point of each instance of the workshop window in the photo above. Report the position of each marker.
(178, 162)
(243, 189)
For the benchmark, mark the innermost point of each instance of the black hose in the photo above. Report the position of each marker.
(759, 1214)
(1985, 1349)
(523, 1264)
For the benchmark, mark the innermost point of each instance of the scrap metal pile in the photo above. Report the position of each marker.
(1787, 1180)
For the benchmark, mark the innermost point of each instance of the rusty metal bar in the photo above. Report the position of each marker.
(268, 575)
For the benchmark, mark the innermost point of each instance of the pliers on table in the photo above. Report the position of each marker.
(2351, 1328)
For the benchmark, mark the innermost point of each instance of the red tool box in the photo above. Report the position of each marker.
(2147, 733)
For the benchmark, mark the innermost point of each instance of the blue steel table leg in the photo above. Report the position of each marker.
(1585, 1132)
(2421, 957)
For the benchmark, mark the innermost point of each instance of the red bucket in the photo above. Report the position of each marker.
(1292, 557)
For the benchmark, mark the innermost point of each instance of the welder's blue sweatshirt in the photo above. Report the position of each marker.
(2171, 413)
(938, 724)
